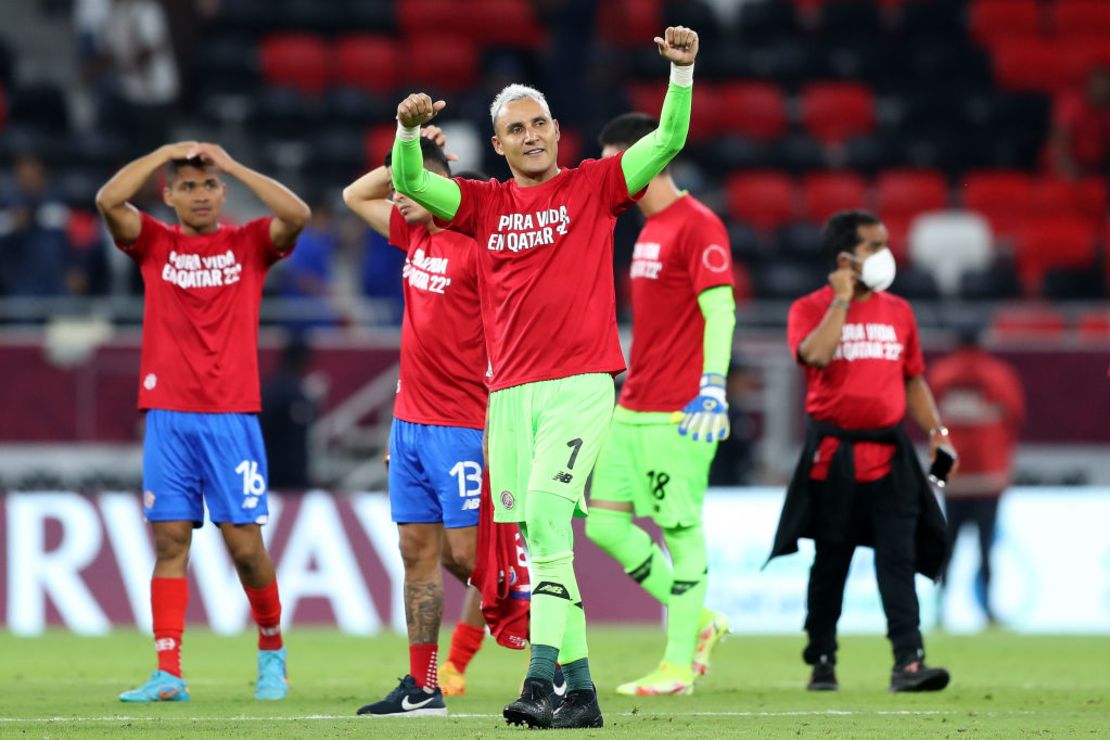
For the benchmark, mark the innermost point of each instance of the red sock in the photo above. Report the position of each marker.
(168, 599)
(423, 666)
(464, 643)
(266, 610)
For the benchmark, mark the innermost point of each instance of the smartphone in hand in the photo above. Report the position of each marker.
(942, 466)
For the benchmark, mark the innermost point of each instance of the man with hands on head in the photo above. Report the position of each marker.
(545, 241)
(199, 385)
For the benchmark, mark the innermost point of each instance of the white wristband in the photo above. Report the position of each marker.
(683, 75)
(407, 133)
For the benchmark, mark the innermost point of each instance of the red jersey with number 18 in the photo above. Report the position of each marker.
(546, 265)
(682, 251)
(864, 387)
(443, 353)
(200, 315)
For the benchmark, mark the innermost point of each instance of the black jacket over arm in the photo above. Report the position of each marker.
(914, 494)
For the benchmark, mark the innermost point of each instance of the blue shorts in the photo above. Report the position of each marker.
(435, 474)
(190, 460)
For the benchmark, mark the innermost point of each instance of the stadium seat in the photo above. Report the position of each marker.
(1072, 18)
(1086, 197)
(998, 282)
(377, 142)
(367, 62)
(1052, 242)
(1094, 325)
(1030, 64)
(1004, 197)
(754, 109)
(906, 193)
(915, 283)
(950, 243)
(991, 21)
(765, 200)
(299, 61)
(443, 63)
(1029, 322)
(415, 17)
(628, 22)
(836, 111)
(504, 23)
(825, 193)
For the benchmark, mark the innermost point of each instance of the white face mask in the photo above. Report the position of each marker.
(877, 271)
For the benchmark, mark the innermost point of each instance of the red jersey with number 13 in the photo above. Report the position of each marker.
(200, 315)
(546, 265)
(682, 251)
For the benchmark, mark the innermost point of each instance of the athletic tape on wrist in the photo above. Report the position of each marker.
(682, 75)
(407, 133)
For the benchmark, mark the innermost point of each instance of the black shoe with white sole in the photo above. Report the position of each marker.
(408, 700)
(533, 708)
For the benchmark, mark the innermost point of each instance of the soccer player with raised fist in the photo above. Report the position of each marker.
(198, 385)
(545, 260)
(671, 414)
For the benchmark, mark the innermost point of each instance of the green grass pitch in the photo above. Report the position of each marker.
(1004, 685)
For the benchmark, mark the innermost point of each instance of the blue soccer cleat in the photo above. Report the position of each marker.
(161, 686)
(272, 682)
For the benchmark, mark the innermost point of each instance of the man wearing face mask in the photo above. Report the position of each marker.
(858, 481)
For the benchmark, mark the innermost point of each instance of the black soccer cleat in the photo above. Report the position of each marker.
(533, 708)
(917, 676)
(579, 710)
(823, 678)
(408, 700)
(558, 688)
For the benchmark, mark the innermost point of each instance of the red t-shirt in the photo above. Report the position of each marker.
(983, 404)
(546, 266)
(864, 387)
(443, 353)
(200, 317)
(682, 251)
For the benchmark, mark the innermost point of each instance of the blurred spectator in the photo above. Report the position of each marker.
(735, 460)
(1080, 140)
(287, 415)
(381, 272)
(307, 273)
(981, 399)
(34, 251)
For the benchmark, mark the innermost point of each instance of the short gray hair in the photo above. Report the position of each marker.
(516, 92)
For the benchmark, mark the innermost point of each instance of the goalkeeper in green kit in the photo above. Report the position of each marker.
(683, 315)
(545, 242)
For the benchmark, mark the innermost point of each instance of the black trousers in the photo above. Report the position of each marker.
(982, 512)
(875, 516)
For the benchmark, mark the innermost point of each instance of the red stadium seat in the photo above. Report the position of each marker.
(835, 111)
(377, 142)
(1004, 197)
(367, 62)
(418, 16)
(297, 60)
(1030, 64)
(764, 200)
(1016, 323)
(991, 21)
(902, 194)
(443, 63)
(755, 109)
(509, 23)
(825, 193)
(1080, 17)
(1052, 242)
(630, 22)
(1085, 198)
(1094, 325)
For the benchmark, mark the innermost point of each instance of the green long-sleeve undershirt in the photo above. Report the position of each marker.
(719, 310)
(641, 162)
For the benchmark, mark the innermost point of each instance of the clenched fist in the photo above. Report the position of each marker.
(679, 45)
(417, 109)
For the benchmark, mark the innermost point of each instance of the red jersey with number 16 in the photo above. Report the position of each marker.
(682, 251)
(443, 353)
(545, 260)
(200, 315)
(864, 387)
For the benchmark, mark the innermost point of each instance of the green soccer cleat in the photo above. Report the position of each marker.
(666, 680)
(272, 682)
(161, 686)
(713, 628)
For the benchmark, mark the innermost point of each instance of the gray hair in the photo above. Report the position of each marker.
(516, 92)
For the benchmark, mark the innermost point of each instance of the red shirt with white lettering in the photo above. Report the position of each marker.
(681, 251)
(443, 351)
(864, 387)
(546, 266)
(200, 315)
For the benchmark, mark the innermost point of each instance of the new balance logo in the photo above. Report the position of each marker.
(550, 588)
(563, 477)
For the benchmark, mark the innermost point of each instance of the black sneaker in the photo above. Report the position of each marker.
(558, 688)
(578, 710)
(917, 676)
(533, 708)
(823, 678)
(408, 700)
